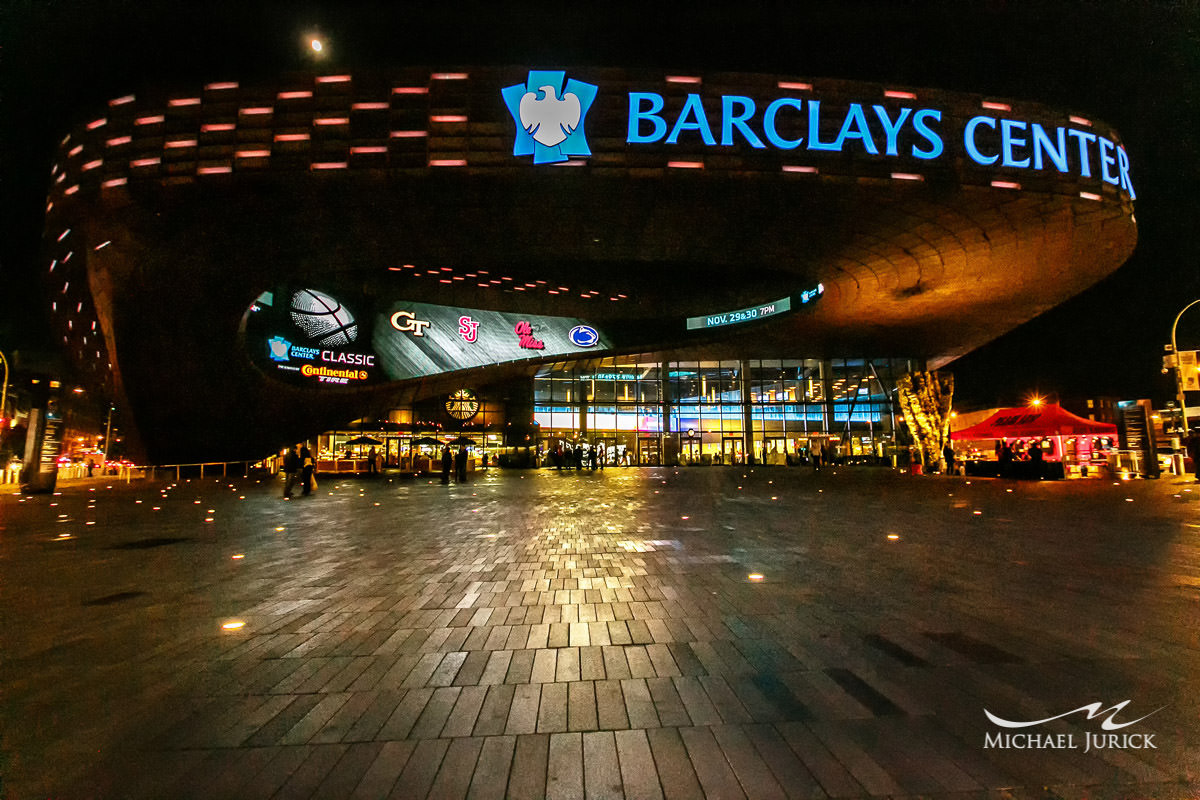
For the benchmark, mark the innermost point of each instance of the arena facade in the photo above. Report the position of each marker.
(686, 267)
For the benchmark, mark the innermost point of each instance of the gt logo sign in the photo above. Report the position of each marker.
(407, 322)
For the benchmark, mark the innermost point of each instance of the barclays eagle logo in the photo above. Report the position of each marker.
(549, 117)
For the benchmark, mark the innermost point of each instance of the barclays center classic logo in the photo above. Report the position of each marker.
(549, 116)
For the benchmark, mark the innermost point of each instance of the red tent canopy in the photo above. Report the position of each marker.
(1024, 422)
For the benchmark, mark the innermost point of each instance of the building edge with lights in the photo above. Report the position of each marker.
(762, 237)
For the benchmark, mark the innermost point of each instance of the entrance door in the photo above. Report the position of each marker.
(648, 452)
(691, 451)
(775, 451)
(731, 450)
(608, 445)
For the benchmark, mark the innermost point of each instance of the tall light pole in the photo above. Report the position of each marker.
(108, 433)
(1179, 368)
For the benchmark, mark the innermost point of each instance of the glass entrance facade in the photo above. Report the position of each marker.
(721, 412)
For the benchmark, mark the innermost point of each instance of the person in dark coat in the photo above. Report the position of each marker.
(291, 465)
(1036, 455)
(307, 466)
(1192, 445)
(447, 463)
(460, 464)
(948, 455)
(1006, 459)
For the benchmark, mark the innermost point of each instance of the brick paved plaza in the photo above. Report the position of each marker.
(545, 634)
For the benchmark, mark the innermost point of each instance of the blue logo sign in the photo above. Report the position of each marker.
(549, 116)
(279, 348)
(583, 336)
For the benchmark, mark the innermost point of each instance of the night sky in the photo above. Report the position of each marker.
(1135, 65)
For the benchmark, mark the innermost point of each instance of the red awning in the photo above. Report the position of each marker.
(1026, 421)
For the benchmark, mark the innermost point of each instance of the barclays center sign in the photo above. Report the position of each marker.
(550, 111)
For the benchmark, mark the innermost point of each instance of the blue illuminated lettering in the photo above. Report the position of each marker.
(855, 127)
(637, 114)
(969, 140)
(1008, 141)
(1107, 159)
(1085, 168)
(936, 146)
(814, 128)
(1123, 161)
(692, 108)
(1043, 146)
(891, 129)
(731, 120)
(772, 132)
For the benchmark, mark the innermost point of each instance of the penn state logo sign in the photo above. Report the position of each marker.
(549, 116)
(583, 336)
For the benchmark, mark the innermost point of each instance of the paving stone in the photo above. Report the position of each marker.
(552, 712)
(527, 780)
(675, 772)
(454, 778)
(421, 770)
(489, 781)
(564, 772)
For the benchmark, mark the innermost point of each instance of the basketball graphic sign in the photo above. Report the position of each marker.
(324, 319)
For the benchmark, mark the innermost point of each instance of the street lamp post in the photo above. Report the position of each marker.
(108, 433)
(1179, 368)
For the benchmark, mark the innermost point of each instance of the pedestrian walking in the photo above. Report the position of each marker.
(460, 464)
(815, 453)
(948, 455)
(447, 463)
(307, 467)
(291, 465)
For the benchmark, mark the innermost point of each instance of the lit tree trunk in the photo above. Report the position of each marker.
(925, 400)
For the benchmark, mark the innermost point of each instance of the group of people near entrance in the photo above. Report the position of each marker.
(456, 462)
(583, 456)
(299, 461)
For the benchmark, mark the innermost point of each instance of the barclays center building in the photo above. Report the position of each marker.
(688, 268)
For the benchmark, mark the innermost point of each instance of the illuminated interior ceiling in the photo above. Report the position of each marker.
(182, 206)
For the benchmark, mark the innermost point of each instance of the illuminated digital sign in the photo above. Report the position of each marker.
(740, 315)
(312, 338)
(543, 115)
(315, 337)
(759, 312)
(416, 339)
